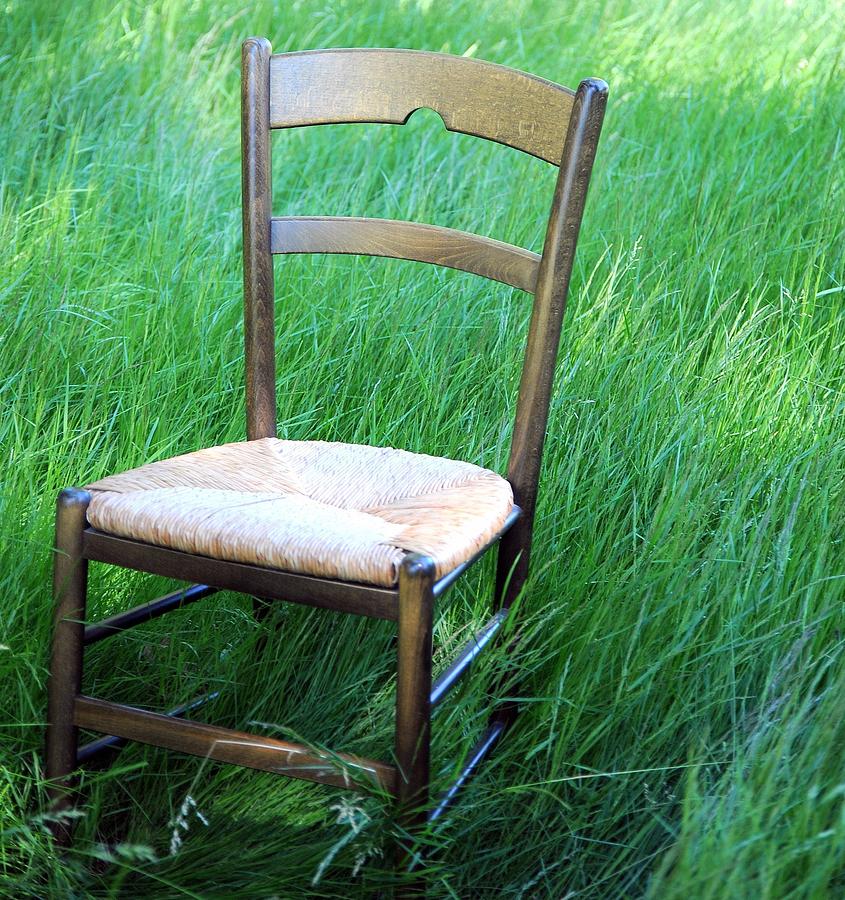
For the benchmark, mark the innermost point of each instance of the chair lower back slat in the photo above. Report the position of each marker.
(407, 240)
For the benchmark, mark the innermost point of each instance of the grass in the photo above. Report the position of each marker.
(682, 674)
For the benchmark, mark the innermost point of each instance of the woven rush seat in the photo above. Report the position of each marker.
(333, 510)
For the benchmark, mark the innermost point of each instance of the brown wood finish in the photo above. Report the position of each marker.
(111, 743)
(464, 658)
(489, 738)
(229, 746)
(99, 631)
(259, 291)
(407, 240)
(444, 583)
(322, 87)
(413, 693)
(538, 371)
(270, 584)
(70, 576)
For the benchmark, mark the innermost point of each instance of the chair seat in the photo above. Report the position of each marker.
(344, 511)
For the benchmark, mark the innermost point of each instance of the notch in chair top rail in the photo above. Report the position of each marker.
(483, 99)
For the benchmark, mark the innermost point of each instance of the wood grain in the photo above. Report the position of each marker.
(413, 688)
(70, 581)
(407, 240)
(321, 87)
(259, 290)
(271, 584)
(535, 388)
(229, 746)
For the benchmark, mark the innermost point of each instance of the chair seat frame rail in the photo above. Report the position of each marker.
(288, 90)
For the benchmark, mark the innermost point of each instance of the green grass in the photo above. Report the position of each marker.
(682, 669)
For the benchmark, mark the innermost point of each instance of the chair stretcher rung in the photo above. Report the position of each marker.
(112, 742)
(230, 746)
(443, 585)
(465, 657)
(146, 611)
(483, 746)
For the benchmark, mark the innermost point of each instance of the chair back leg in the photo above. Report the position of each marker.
(511, 575)
(70, 576)
(512, 561)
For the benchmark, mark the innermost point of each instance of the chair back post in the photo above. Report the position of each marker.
(535, 388)
(259, 325)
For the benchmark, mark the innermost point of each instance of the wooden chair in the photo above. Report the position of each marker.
(375, 532)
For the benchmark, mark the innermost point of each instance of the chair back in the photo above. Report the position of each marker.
(538, 117)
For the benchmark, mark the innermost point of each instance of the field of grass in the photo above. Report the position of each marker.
(682, 671)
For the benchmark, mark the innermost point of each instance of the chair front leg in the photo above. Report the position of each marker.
(413, 698)
(70, 576)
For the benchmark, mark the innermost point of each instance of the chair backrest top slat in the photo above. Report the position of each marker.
(407, 240)
(322, 87)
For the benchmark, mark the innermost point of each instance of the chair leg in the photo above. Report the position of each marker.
(261, 609)
(512, 562)
(413, 702)
(511, 575)
(70, 576)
